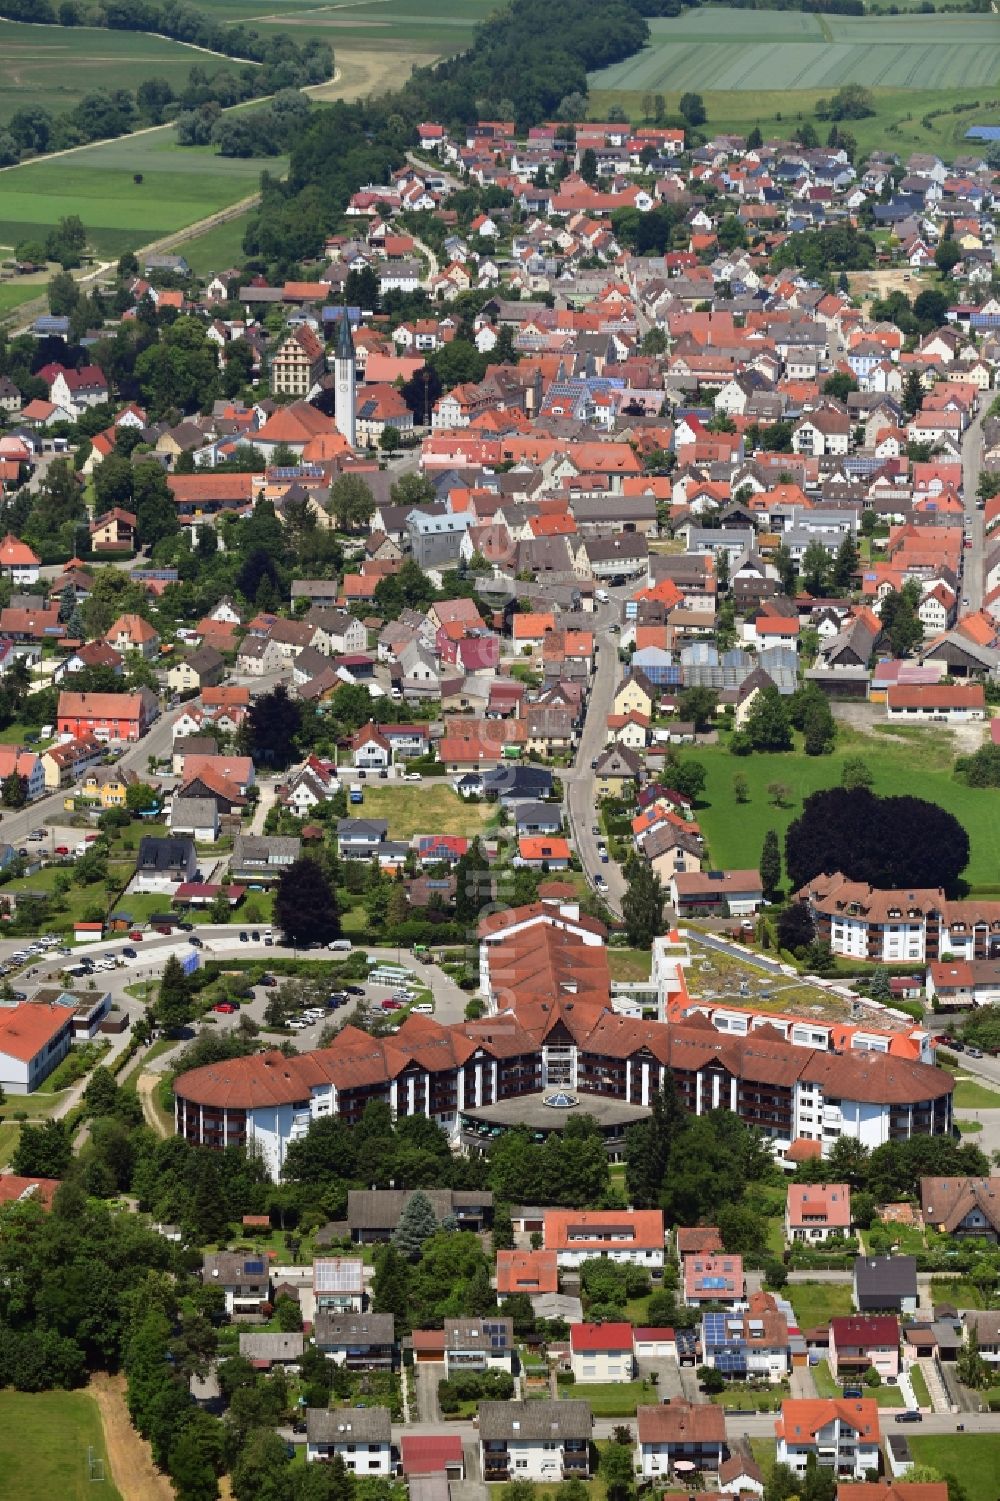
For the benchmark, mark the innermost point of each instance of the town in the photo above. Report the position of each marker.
(499, 765)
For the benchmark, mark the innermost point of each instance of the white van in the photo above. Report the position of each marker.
(340, 946)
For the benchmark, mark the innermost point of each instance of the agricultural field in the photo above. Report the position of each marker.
(735, 831)
(54, 66)
(45, 1438)
(769, 68)
(178, 186)
(970, 1457)
(401, 26)
(749, 50)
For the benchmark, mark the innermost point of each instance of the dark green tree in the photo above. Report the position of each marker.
(305, 904)
(770, 865)
(642, 905)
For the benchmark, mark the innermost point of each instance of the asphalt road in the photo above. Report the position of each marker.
(579, 781)
(972, 463)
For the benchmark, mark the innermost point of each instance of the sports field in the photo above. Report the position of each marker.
(179, 186)
(45, 1439)
(54, 66)
(748, 50)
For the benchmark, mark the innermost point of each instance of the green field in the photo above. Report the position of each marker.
(970, 1457)
(921, 765)
(179, 186)
(819, 1302)
(44, 1442)
(405, 26)
(218, 248)
(751, 49)
(54, 66)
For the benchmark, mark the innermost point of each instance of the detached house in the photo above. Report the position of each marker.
(360, 1436)
(546, 1441)
(17, 561)
(814, 1211)
(885, 1284)
(133, 633)
(631, 1237)
(841, 1434)
(859, 1343)
(693, 1434)
(601, 1352)
(962, 1206)
(106, 716)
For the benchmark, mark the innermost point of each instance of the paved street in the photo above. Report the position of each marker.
(579, 781)
(972, 450)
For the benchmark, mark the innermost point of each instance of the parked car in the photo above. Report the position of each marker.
(244, 938)
(974, 1052)
(135, 935)
(268, 981)
(909, 1416)
(61, 849)
(354, 989)
(412, 776)
(392, 1005)
(130, 953)
(226, 1007)
(195, 941)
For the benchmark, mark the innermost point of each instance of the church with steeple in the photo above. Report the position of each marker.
(345, 378)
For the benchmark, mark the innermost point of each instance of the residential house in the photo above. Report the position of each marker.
(204, 668)
(732, 893)
(373, 1214)
(64, 762)
(962, 1206)
(885, 1284)
(164, 863)
(535, 1440)
(244, 1279)
(297, 364)
(532, 1272)
(815, 1211)
(115, 531)
(748, 1343)
(360, 1436)
(133, 633)
(859, 1343)
(113, 717)
(338, 1284)
(197, 816)
(266, 1350)
(631, 1237)
(601, 1352)
(478, 1345)
(18, 562)
(617, 772)
(713, 1279)
(261, 859)
(680, 1432)
(839, 1433)
(34, 1038)
(359, 1341)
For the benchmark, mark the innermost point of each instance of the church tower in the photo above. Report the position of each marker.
(345, 377)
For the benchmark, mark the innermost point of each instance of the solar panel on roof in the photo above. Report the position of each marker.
(253, 1268)
(334, 1275)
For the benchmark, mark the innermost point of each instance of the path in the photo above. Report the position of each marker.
(129, 1455)
(144, 1086)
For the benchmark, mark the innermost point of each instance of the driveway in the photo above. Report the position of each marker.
(426, 1378)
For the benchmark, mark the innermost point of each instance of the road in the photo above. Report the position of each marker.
(972, 463)
(579, 781)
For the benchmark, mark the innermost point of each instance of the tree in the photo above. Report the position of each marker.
(711, 1380)
(887, 842)
(840, 385)
(153, 504)
(618, 1470)
(698, 705)
(796, 929)
(816, 569)
(741, 788)
(417, 1223)
(43, 1151)
(947, 256)
(352, 503)
(845, 564)
(588, 166)
(970, 1367)
(880, 989)
(642, 905)
(770, 865)
(173, 1007)
(269, 732)
(913, 393)
(692, 107)
(900, 619)
(305, 904)
(768, 727)
(390, 438)
(14, 792)
(855, 773)
(688, 778)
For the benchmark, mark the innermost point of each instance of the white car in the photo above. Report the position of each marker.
(412, 776)
(297, 1025)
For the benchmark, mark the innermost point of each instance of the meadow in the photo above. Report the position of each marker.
(179, 186)
(970, 1457)
(55, 66)
(405, 26)
(747, 50)
(735, 831)
(44, 1442)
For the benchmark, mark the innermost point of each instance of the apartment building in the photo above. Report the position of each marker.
(631, 1237)
(900, 927)
(546, 1441)
(842, 1435)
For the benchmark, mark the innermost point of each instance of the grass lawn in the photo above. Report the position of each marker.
(14, 294)
(78, 899)
(819, 1302)
(612, 1399)
(735, 832)
(739, 1394)
(764, 1451)
(9, 1133)
(969, 1128)
(427, 808)
(970, 1457)
(920, 1391)
(44, 1442)
(628, 964)
(958, 1291)
(971, 1095)
(827, 1386)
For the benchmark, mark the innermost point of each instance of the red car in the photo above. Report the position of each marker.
(226, 1007)
(62, 849)
(392, 1005)
(135, 936)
